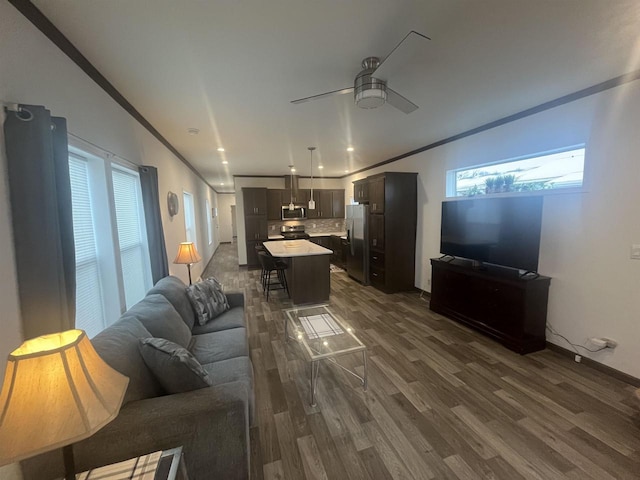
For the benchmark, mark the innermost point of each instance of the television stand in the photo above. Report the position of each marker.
(506, 307)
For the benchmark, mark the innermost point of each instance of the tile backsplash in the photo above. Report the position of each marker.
(326, 225)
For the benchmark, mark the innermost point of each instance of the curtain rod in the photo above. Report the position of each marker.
(107, 153)
(16, 107)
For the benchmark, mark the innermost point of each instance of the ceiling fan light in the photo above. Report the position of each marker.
(371, 98)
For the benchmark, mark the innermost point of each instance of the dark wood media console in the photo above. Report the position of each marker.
(494, 301)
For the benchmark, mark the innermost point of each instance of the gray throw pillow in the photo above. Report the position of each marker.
(175, 367)
(207, 299)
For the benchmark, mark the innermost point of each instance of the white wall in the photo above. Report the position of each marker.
(35, 71)
(225, 201)
(586, 237)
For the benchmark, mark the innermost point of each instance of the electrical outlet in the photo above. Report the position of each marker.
(635, 252)
(429, 282)
(578, 358)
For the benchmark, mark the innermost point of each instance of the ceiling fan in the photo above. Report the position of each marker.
(369, 89)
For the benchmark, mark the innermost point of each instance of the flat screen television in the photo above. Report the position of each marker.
(501, 231)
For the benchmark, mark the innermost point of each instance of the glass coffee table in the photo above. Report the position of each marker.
(323, 336)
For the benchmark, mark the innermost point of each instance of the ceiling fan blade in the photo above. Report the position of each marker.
(342, 91)
(398, 101)
(410, 43)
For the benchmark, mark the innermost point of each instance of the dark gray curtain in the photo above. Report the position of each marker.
(153, 221)
(40, 194)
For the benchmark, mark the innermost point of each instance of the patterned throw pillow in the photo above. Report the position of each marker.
(207, 299)
(175, 367)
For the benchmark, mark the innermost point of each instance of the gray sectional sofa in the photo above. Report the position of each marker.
(212, 423)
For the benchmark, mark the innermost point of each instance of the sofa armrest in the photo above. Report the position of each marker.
(212, 425)
(235, 299)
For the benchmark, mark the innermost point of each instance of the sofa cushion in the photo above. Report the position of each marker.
(217, 346)
(207, 299)
(175, 367)
(174, 290)
(158, 316)
(239, 369)
(233, 318)
(118, 347)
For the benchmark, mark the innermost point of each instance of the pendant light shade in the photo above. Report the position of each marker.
(291, 205)
(312, 203)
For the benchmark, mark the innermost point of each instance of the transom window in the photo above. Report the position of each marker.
(546, 171)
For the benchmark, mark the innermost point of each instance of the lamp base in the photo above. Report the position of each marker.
(69, 463)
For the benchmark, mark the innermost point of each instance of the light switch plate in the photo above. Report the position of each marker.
(635, 252)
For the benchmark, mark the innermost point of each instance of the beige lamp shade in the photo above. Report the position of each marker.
(187, 254)
(56, 391)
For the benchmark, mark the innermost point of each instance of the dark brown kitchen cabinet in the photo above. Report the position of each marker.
(511, 309)
(361, 191)
(337, 206)
(376, 195)
(255, 220)
(329, 204)
(376, 233)
(256, 228)
(393, 208)
(274, 204)
(255, 201)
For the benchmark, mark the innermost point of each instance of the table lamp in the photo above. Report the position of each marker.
(187, 254)
(56, 391)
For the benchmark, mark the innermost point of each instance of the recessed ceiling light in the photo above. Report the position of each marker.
(220, 149)
(346, 171)
(320, 167)
(193, 131)
(224, 162)
(293, 169)
(222, 183)
(350, 149)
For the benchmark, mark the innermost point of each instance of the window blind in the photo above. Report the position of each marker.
(207, 209)
(189, 218)
(135, 268)
(89, 301)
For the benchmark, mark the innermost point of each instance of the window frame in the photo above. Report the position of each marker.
(101, 165)
(192, 217)
(451, 175)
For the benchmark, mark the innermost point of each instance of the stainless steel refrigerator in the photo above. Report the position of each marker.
(358, 237)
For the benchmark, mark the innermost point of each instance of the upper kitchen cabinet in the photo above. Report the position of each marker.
(255, 201)
(376, 195)
(329, 204)
(275, 201)
(361, 191)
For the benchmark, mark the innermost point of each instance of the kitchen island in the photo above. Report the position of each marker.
(307, 269)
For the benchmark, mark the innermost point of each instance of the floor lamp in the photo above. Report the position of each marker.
(187, 254)
(56, 391)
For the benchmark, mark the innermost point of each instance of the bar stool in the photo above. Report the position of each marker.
(270, 265)
(260, 248)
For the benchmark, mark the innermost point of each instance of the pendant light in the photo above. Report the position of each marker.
(312, 203)
(291, 205)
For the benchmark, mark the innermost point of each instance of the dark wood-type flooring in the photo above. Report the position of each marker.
(443, 402)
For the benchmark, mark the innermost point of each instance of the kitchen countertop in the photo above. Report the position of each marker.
(295, 248)
(277, 236)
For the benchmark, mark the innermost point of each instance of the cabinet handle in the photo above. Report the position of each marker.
(375, 274)
(375, 258)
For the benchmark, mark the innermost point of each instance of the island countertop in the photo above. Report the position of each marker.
(295, 248)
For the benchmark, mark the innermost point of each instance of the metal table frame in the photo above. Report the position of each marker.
(315, 356)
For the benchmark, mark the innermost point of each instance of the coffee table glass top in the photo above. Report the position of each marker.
(322, 333)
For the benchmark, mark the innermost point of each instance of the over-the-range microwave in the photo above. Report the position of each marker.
(298, 213)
